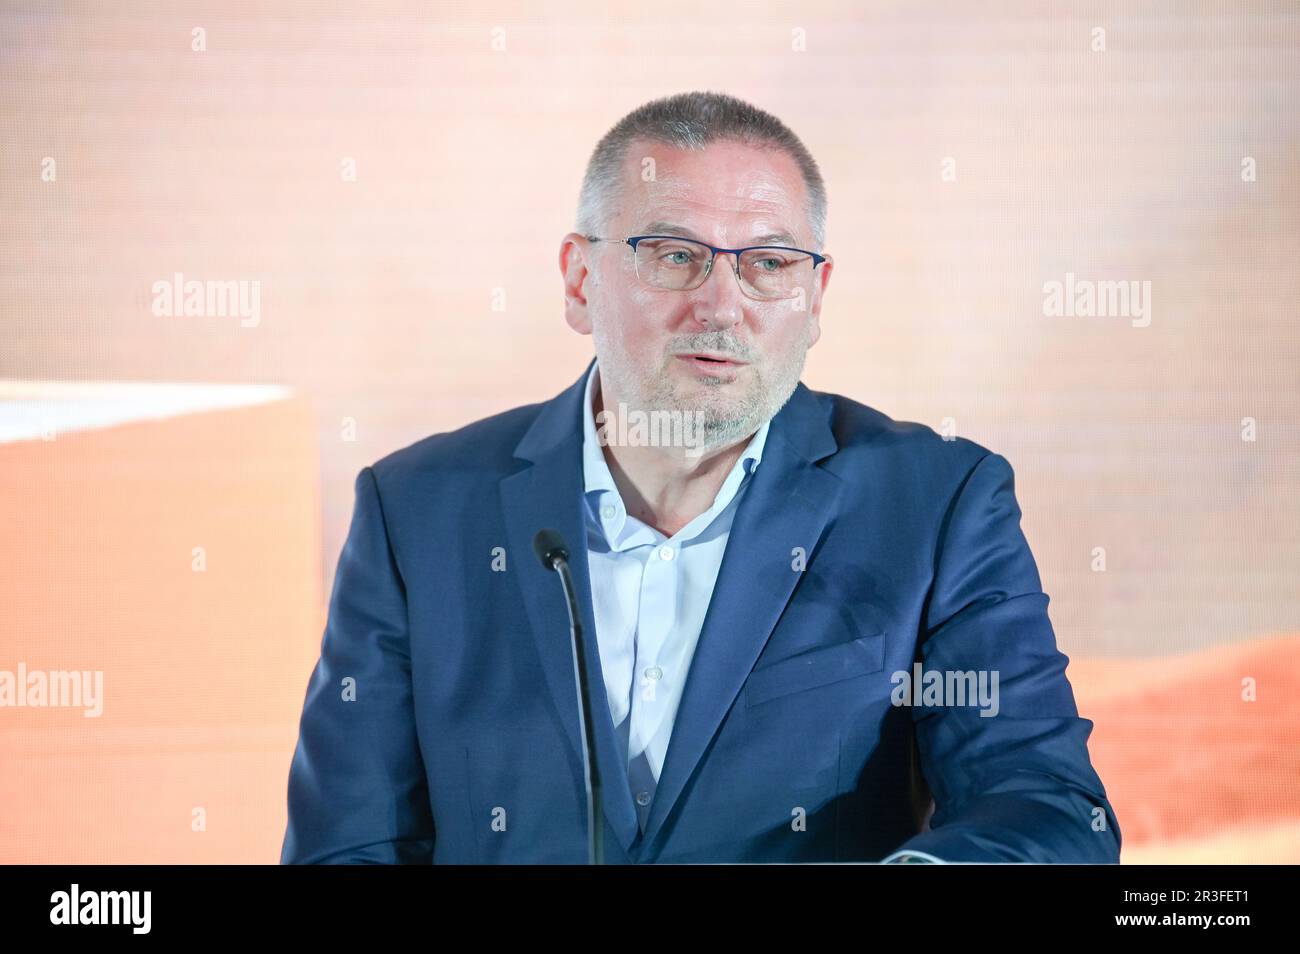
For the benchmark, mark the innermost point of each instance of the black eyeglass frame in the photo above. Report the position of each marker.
(632, 240)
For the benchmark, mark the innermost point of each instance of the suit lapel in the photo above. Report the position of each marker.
(787, 505)
(549, 494)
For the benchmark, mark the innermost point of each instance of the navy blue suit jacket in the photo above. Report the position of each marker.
(440, 724)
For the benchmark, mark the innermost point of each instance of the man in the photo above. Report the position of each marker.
(755, 587)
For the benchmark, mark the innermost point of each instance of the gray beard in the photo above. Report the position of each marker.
(726, 425)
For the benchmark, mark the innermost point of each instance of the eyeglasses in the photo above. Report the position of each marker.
(765, 272)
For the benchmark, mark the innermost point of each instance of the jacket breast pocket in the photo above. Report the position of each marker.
(816, 667)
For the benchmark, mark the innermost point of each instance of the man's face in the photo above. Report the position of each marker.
(648, 339)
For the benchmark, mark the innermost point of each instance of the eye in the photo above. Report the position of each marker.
(676, 255)
(770, 263)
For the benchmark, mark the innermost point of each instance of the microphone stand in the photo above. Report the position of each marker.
(554, 555)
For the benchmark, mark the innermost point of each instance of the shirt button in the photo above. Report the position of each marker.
(666, 553)
(654, 672)
(608, 511)
(643, 798)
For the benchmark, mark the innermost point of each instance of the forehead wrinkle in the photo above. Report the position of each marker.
(663, 227)
(764, 198)
(674, 197)
(769, 219)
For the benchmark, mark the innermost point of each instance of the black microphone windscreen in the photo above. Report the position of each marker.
(548, 544)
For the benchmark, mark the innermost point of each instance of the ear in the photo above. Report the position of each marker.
(815, 306)
(575, 250)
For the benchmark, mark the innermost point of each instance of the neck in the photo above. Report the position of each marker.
(663, 486)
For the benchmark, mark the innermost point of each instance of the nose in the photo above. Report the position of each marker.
(721, 303)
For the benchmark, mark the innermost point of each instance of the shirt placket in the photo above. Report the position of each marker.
(656, 623)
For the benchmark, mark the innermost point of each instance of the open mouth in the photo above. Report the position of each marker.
(711, 361)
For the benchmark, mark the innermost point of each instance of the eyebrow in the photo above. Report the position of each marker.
(668, 228)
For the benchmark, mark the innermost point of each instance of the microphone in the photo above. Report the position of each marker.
(554, 555)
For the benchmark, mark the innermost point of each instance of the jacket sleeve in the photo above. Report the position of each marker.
(1014, 784)
(357, 789)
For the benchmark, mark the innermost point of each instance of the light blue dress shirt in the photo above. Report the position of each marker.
(649, 594)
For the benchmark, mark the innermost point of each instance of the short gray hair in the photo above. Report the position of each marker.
(691, 121)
